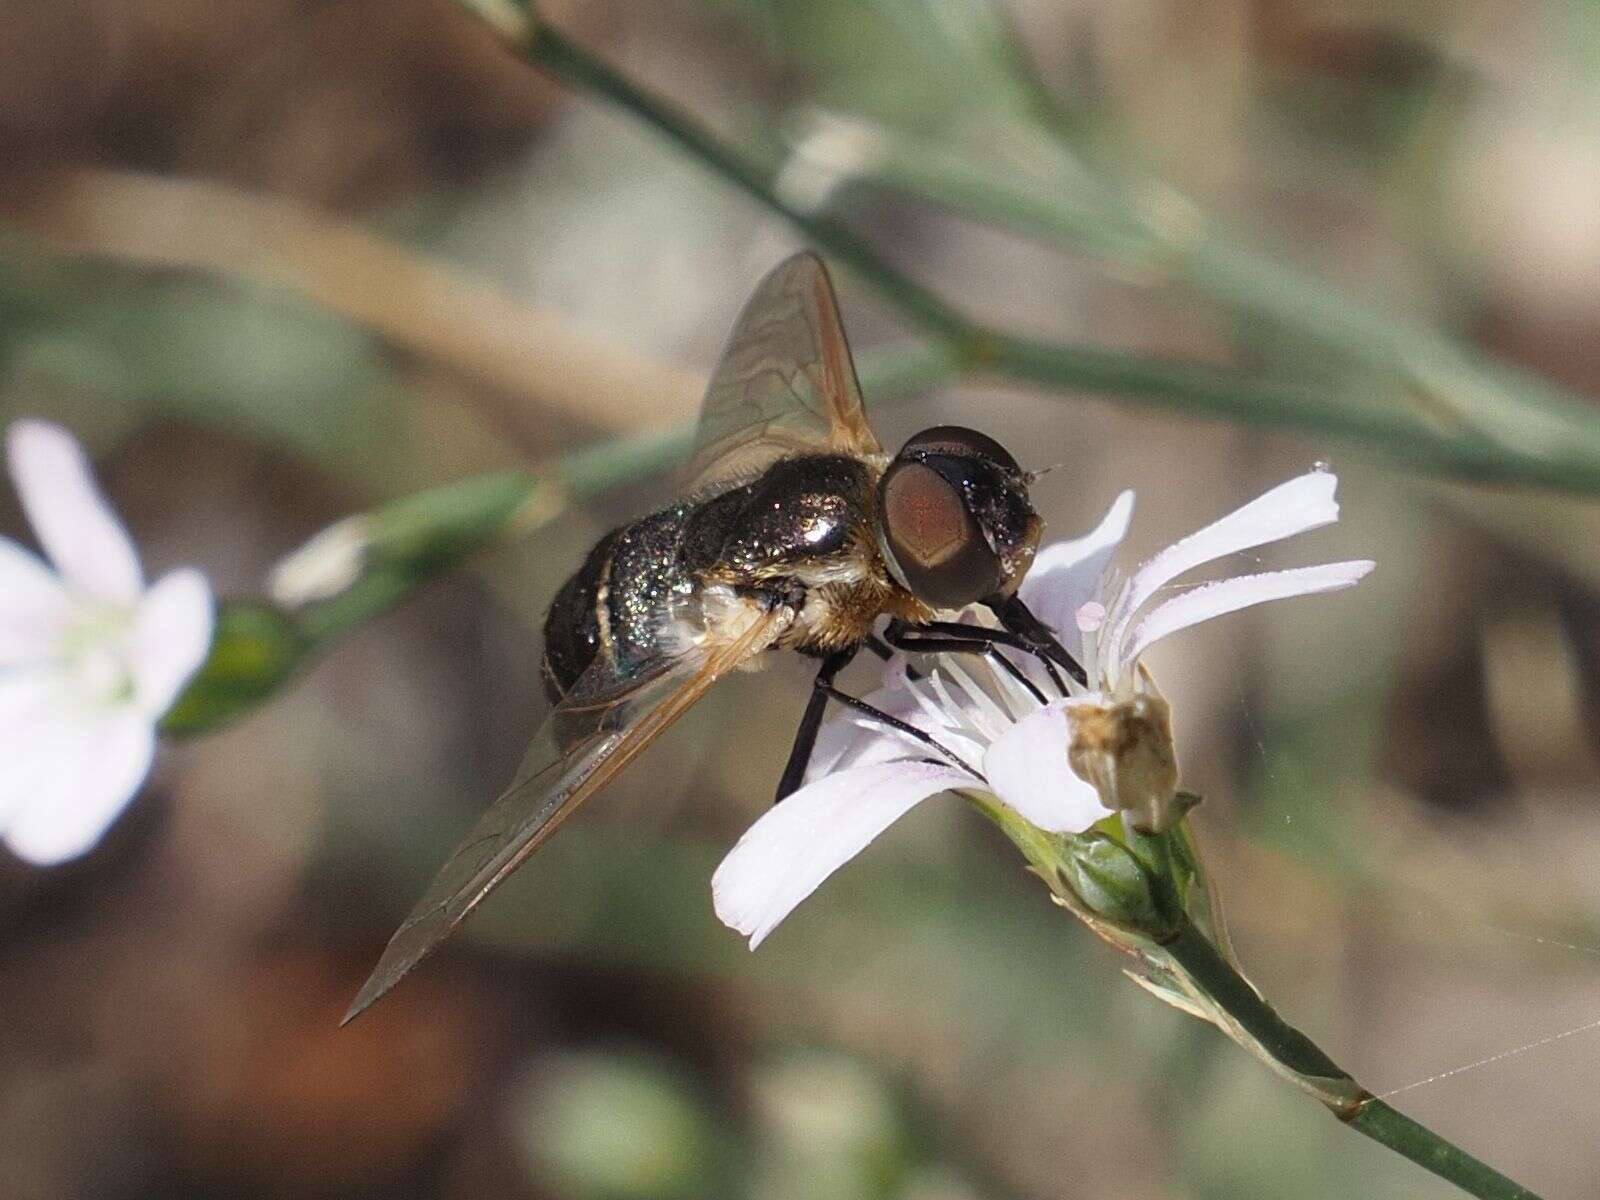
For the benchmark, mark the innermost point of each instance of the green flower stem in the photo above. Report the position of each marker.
(1458, 424)
(1285, 1044)
(1298, 1056)
(548, 49)
(1431, 1152)
(1134, 891)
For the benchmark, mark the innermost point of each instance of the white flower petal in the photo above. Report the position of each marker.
(978, 704)
(1229, 595)
(91, 771)
(937, 721)
(1303, 503)
(890, 744)
(1018, 700)
(1027, 767)
(74, 524)
(171, 636)
(34, 607)
(36, 723)
(946, 725)
(1067, 574)
(963, 719)
(846, 741)
(786, 855)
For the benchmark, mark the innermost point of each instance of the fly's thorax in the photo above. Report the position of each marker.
(801, 533)
(805, 517)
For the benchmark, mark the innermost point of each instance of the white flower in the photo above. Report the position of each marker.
(89, 657)
(1061, 754)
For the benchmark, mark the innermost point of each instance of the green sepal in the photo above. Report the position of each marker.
(255, 649)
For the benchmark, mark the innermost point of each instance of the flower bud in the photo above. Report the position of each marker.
(1114, 885)
(328, 564)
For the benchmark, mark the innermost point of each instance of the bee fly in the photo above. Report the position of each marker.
(799, 532)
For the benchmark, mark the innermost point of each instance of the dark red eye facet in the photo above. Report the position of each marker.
(935, 546)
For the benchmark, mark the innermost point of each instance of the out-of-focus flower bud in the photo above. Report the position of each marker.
(326, 565)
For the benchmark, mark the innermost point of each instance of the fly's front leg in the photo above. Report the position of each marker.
(1022, 631)
(878, 646)
(1037, 638)
(805, 738)
(943, 637)
(951, 637)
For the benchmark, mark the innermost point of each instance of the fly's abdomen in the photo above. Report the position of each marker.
(802, 523)
(571, 627)
(616, 610)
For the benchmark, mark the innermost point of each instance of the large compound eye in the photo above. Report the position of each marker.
(960, 442)
(935, 546)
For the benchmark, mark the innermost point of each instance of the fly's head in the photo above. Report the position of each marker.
(954, 521)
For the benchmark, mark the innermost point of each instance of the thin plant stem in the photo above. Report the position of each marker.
(1173, 946)
(1149, 231)
(1468, 441)
(1300, 1056)
(1428, 1150)
(548, 49)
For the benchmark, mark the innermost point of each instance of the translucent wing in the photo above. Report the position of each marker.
(785, 382)
(587, 739)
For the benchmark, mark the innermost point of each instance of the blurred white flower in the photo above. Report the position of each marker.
(1061, 754)
(90, 658)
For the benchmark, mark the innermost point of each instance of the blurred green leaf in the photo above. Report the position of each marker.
(224, 353)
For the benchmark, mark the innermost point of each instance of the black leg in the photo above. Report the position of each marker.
(878, 646)
(805, 738)
(883, 718)
(956, 629)
(1023, 632)
(911, 638)
(1037, 638)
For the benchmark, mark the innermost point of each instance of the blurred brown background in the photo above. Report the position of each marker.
(278, 262)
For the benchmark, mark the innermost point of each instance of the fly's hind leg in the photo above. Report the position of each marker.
(805, 738)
